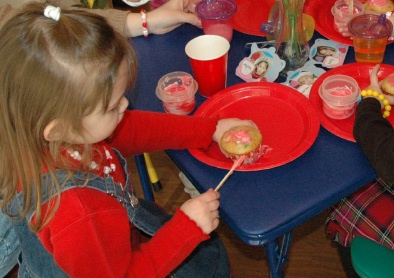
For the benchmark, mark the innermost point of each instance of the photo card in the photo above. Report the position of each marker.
(303, 78)
(328, 53)
(263, 64)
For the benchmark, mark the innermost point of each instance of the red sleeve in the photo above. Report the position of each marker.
(89, 236)
(143, 131)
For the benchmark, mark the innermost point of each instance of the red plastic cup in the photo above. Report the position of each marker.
(208, 56)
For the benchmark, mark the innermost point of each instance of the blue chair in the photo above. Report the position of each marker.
(370, 259)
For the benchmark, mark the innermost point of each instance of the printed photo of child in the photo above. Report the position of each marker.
(303, 82)
(306, 78)
(260, 70)
(324, 51)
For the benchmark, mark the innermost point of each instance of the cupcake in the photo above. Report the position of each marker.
(388, 84)
(379, 6)
(242, 140)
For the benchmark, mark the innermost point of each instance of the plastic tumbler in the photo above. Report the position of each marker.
(208, 55)
(370, 33)
(340, 94)
(342, 15)
(177, 91)
(215, 17)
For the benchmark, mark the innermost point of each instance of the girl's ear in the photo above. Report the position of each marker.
(50, 131)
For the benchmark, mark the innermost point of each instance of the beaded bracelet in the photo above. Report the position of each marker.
(381, 98)
(144, 24)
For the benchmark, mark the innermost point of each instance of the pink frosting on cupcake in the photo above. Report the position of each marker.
(380, 3)
(390, 79)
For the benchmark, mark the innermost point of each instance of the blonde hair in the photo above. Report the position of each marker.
(51, 70)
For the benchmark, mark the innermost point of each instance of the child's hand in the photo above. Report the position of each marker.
(225, 124)
(375, 84)
(374, 81)
(343, 29)
(171, 15)
(203, 210)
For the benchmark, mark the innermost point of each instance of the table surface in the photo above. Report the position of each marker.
(258, 206)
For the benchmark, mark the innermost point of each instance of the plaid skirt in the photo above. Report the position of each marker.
(369, 212)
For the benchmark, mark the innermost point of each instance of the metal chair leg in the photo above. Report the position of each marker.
(277, 257)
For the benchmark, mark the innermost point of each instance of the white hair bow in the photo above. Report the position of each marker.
(52, 12)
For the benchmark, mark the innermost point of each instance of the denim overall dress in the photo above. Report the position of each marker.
(209, 259)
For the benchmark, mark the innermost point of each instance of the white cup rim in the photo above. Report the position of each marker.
(207, 47)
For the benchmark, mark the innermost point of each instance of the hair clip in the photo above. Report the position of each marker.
(52, 12)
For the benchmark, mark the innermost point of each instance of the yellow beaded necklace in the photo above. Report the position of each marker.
(381, 98)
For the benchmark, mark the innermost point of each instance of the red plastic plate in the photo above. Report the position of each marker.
(250, 15)
(360, 72)
(324, 20)
(288, 122)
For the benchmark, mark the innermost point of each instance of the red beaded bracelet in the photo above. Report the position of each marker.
(144, 24)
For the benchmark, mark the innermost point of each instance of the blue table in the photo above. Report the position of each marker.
(262, 206)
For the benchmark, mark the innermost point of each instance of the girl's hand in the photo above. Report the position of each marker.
(225, 124)
(161, 20)
(343, 29)
(375, 84)
(203, 210)
(171, 15)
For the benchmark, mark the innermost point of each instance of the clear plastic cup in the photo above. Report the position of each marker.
(177, 92)
(340, 94)
(370, 33)
(341, 14)
(215, 17)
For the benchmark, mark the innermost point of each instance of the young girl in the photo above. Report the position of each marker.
(161, 20)
(260, 70)
(369, 212)
(64, 124)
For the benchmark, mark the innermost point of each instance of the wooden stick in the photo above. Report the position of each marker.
(350, 8)
(236, 164)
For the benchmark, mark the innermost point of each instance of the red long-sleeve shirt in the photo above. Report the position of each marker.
(89, 236)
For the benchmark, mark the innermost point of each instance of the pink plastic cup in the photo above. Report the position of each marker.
(216, 17)
(208, 55)
(177, 91)
(340, 94)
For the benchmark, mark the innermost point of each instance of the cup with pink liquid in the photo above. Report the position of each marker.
(216, 17)
(340, 94)
(177, 91)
